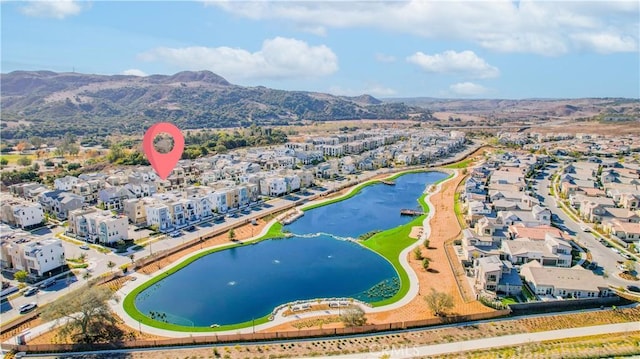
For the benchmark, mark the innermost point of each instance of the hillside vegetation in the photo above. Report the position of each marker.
(48, 104)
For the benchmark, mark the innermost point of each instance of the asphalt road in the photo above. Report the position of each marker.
(606, 259)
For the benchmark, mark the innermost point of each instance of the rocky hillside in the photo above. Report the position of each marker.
(46, 104)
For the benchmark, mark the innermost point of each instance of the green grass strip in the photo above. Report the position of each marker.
(390, 244)
(459, 165)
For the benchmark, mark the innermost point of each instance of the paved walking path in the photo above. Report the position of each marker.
(494, 342)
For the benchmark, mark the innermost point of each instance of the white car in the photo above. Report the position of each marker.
(30, 291)
(27, 307)
(585, 228)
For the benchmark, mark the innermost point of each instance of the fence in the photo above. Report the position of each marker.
(568, 304)
(252, 337)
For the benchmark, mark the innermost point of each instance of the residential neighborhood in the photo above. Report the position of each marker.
(517, 242)
(106, 208)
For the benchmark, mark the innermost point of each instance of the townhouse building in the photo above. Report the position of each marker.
(21, 213)
(58, 203)
(35, 256)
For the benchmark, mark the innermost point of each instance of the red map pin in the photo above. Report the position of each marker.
(163, 163)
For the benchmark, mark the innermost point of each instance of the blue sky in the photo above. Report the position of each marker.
(473, 49)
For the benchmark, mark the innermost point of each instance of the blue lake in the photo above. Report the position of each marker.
(248, 282)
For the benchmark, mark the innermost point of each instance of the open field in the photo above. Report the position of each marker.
(13, 157)
(597, 346)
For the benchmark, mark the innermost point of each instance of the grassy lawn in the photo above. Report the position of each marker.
(13, 158)
(389, 244)
(509, 300)
(457, 208)
(459, 165)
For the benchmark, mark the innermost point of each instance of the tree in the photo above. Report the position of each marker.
(85, 315)
(132, 257)
(58, 152)
(20, 147)
(630, 266)
(20, 276)
(439, 302)
(353, 317)
(4, 161)
(36, 141)
(425, 263)
(110, 265)
(232, 234)
(426, 243)
(220, 148)
(417, 253)
(24, 161)
(73, 150)
(116, 152)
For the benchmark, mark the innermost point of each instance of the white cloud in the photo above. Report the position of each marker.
(468, 89)
(277, 59)
(384, 58)
(134, 72)
(465, 63)
(58, 9)
(607, 43)
(528, 26)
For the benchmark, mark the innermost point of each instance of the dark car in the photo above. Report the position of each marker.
(633, 288)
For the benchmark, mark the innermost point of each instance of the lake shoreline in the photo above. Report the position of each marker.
(271, 230)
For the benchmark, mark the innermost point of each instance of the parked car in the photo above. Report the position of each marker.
(633, 288)
(84, 247)
(47, 283)
(585, 228)
(30, 291)
(25, 308)
(175, 234)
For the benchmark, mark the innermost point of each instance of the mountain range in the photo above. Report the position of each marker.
(50, 104)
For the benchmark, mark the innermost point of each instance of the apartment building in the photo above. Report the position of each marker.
(36, 257)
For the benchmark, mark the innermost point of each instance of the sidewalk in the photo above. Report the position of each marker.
(408, 351)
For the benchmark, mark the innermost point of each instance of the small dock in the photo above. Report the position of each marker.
(388, 183)
(410, 212)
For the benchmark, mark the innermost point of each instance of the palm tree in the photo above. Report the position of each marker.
(110, 265)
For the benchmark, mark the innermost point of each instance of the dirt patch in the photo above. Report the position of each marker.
(416, 232)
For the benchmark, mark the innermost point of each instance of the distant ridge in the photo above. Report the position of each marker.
(47, 103)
